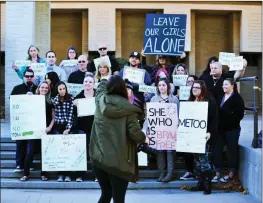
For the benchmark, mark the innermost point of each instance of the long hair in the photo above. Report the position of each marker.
(208, 70)
(53, 77)
(168, 86)
(72, 48)
(104, 64)
(116, 85)
(204, 93)
(182, 65)
(47, 96)
(67, 95)
(28, 52)
(192, 76)
(233, 83)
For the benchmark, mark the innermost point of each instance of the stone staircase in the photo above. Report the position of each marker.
(9, 179)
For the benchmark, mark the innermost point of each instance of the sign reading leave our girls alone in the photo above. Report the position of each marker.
(165, 34)
(162, 119)
(27, 117)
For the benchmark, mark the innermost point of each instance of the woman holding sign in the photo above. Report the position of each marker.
(63, 103)
(52, 79)
(164, 96)
(199, 93)
(180, 69)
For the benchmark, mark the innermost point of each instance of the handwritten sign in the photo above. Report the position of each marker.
(39, 69)
(142, 159)
(148, 89)
(162, 121)
(224, 58)
(184, 92)
(106, 59)
(135, 75)
(27, 117)
(86, 106)
(165, 34)
(236, 63)
(180, 80)
(74, 89)
(70, 63)
(20, 63)
(64, 152)
(192, 127)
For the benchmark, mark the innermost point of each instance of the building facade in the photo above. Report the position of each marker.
(211, 27)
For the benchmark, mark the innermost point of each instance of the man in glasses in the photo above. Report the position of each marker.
(27, 87)
(78, 76)
(102, 49)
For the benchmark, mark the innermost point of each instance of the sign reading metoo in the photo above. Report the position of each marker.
(165, 33)
(162, 121)
(192, 127)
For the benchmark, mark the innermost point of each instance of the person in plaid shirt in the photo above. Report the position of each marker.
(63, 103)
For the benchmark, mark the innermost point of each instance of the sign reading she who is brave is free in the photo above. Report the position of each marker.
(165, 34)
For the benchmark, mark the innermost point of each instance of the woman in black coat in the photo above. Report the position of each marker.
(231, 112)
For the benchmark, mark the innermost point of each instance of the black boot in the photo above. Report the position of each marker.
(161, 165)
(207, 183)
(170, 167)
(200, 184)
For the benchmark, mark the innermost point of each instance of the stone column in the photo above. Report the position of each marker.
(192, 64)
(85, 33)
(118, 34)
(26, 23)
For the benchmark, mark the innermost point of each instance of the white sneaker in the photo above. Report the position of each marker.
(96, 180)
(18, 169)
(187, 176)
(216, 179)
(67, 179)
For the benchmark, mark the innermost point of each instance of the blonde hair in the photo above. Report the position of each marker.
(104, 64)
(48, 95)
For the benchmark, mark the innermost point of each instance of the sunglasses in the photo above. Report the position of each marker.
(103, 48)
(29, 76)
(82, 61)
(162, 57)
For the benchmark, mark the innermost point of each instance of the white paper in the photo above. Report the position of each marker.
(142, 159)
(180, 80)
(192, 127)
(236, 63)
(27, 117)
(39, 69)
(184, 92)
(148, 89)
(74, 89)
(20, 63)
(70, 62)
(64, 152)
(135, 75)
(224, 58)
(97, 61)
(86, 106)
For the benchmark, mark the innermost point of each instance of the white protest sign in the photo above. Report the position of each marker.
(162, 121)
(236, 63)
(180, 80)
(20, 63)
(224, 58)
(70, 63)
(39, 69)
(184, 92)
(135, 75)
(64, 152)
(74, 89)
(142, 159)
(86, 106)
(148, 89)
(106, 59)
(27, 117)
(192, 127)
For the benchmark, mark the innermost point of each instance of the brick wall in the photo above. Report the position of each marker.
(66, 30)
(2, 16)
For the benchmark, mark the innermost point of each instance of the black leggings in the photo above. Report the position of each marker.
(111, 187)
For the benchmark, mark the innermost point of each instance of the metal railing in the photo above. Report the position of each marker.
(254, 108)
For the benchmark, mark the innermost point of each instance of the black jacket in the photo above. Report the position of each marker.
(212, 118)
(231, 113)
(23, 89)
(114, 65)
(77, 77)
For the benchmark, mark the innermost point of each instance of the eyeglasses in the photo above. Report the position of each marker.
(29, 76)
(82, 61)
(103, 48)
(71, 52)
(197, 88)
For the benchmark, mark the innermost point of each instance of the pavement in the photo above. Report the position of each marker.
(132, 196)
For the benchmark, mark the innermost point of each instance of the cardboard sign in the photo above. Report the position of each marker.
(20, 63)
(236, 63)
(27, 117)
(148, 89)
(192, 127)
(97, 61)
(86, 106)
(184, 92)
(180, 80)
(224, 58)
(165, 34)
(135, 75)
(70, 62)
(64, 152)
(74, 89)
(39, 69)
(162, 119)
